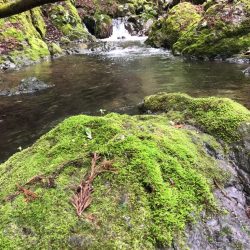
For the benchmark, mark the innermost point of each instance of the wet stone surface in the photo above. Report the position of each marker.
(27, 86)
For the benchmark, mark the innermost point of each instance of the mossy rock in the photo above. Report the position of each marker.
(66, 19)
(166, 31)
(164, 179)
(223, 31)
(20, 39)
(220, 117)
(99, 25)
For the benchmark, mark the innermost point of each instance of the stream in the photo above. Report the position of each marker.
(113, 76)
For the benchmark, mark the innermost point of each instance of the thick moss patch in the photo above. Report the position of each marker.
(28, 36)
(220, 117)
(216, 29)
(166, 31)
(164, 179)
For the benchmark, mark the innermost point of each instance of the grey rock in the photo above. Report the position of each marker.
(247, 71)
(27, 86)
(7, 65)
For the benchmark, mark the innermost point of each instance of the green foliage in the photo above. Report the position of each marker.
(164, 180)
(221, 117)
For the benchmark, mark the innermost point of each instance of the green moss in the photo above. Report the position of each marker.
(55, 49)
(22, 39)
(38, 21)
(103, 25)
(222, 30)
(163, 180)
(166, 31)
(220, 117)
(66, 19)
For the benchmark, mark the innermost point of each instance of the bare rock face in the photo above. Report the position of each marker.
(27, 86)
(228, 230)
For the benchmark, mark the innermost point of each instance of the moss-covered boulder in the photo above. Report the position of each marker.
(164, 175)
(19, 38)
(99, 25)
(221, 117)
(32, 35)
(166, 31)
(65, 18)
(163, 180)
(222, 30)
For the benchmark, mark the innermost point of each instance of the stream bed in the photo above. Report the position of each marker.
(113, 77)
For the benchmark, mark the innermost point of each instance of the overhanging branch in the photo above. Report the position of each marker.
(20, 6)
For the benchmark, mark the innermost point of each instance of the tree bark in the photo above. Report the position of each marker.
(20, 6)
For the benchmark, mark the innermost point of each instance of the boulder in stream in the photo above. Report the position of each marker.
(247, 71)
(27, 86)
(166, 181)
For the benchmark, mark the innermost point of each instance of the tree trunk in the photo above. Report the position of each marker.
(20, 6)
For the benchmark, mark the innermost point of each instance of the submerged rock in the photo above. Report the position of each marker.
(170, 189)
(27, 86)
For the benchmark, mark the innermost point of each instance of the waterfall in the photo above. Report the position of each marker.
(120, 33)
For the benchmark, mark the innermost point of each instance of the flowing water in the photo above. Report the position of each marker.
(115, 77)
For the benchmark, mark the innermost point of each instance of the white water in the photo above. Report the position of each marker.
(121, 34)
(122, 45)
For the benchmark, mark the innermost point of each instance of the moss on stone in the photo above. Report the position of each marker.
(164, 180)
(221, 30)
(23, 36)
(103, 25)
(221, 117)
(66, 19)
(166, 31)
(22, 39)
(38, 21)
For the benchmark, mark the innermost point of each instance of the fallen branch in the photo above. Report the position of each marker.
(19, 6)
(29, 195)
(44, 181)
(82, 199)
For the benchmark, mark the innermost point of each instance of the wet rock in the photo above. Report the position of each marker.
(247, 71)
(27, 86)
(7, 65)
(228, 230)
(99, 25)
(238, 60)
(241, 156)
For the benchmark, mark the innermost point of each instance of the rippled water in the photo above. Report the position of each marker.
(115, 79)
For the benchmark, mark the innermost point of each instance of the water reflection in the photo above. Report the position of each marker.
(87, 83)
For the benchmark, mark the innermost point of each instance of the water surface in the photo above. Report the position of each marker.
(115, 79)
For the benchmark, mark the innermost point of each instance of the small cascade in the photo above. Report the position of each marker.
(120, 33)
(121, 44)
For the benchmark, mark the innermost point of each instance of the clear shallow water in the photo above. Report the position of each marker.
(115, 79)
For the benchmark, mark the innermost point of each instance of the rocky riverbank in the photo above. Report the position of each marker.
(216, 29)
(172, 180)
(53, 29)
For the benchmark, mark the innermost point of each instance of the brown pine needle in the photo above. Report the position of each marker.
(82, 199)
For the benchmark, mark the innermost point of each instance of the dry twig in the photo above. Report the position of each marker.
(82, 199)
(29, 195)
